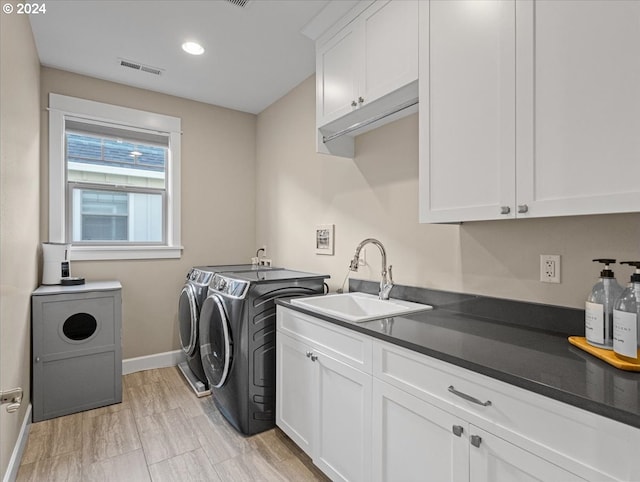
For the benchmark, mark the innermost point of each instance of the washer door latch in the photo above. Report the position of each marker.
(13, 397)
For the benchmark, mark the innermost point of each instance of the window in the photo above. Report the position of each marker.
(114, 180)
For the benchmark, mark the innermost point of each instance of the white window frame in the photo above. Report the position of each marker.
(61, 106)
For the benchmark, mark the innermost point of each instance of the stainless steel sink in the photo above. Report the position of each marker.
(358, 307)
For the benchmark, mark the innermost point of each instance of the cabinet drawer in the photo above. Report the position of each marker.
(345, 345)
(544, 426)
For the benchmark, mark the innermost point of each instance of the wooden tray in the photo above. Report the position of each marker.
(606, 355)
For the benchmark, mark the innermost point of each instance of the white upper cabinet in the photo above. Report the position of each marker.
(338, 85)
(366, 65)
(467, 110)
(578, 106)
(529, 109)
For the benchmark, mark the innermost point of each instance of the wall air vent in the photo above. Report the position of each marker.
(130, 64)
(240, 3)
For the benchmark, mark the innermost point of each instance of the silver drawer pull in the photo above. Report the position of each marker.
(457, 430)
(469, 397)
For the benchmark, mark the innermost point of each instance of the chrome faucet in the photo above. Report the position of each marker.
(386, 282)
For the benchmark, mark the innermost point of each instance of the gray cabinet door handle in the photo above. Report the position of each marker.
(476, 440)
(457, 430)
(469, 398)
(353, 103)
(505, 209)
(523, 208)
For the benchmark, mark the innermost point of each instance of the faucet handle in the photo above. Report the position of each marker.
(353, 266)
(390, 274)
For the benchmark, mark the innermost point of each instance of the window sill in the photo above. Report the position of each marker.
(95, 253)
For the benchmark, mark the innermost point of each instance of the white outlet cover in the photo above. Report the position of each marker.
(550, 268)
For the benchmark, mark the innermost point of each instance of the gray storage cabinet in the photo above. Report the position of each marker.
(76, 348)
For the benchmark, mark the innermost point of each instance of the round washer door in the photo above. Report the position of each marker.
(215, 341)
(188, 319)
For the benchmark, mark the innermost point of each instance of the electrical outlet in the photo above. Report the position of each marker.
(550, 268)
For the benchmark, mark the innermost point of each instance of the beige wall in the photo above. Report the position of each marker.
(19, 213)
(218, 205)
(376, 195)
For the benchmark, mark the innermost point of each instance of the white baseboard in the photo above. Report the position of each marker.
(16, 456)
(157, 360)
(130, 365)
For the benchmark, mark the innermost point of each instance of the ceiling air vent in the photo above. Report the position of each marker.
(240, 3)
(130, 64)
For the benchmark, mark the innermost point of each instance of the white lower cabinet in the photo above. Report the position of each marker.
(324, 405)
(295, 391)
(413, 440)
(416, 441)
(364, 409)
(342, 445)
(496, 460)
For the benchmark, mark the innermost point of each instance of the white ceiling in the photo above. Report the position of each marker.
(254, 55)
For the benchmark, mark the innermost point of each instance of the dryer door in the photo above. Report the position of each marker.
(215, 341)
(188, 319)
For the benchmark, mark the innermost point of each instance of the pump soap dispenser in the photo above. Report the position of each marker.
(599, 308)
(626, 313)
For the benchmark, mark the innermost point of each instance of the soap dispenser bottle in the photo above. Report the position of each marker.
(599, 307)
(626, 313)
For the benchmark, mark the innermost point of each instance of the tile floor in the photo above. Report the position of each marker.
(160, 432)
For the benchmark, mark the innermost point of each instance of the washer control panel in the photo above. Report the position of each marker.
(198, 276)
(229, 286)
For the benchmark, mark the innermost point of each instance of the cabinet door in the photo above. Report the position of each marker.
(413, 440)
(496, 460)
(578, 106)
(390, 30)
(295, 380)
(343, 431)
(338, 69)
(467, 110)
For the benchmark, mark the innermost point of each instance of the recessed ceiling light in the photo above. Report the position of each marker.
(193, 48)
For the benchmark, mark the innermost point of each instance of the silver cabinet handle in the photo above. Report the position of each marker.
(469, 397)
(523, 208)
(309, 354)
(314, 358)
(354, 103)
(37, 359)
(505, 209)
(457, 430)
(361, 99)
(476, 440)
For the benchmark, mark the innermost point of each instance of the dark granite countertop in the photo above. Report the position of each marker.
(529, 357)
